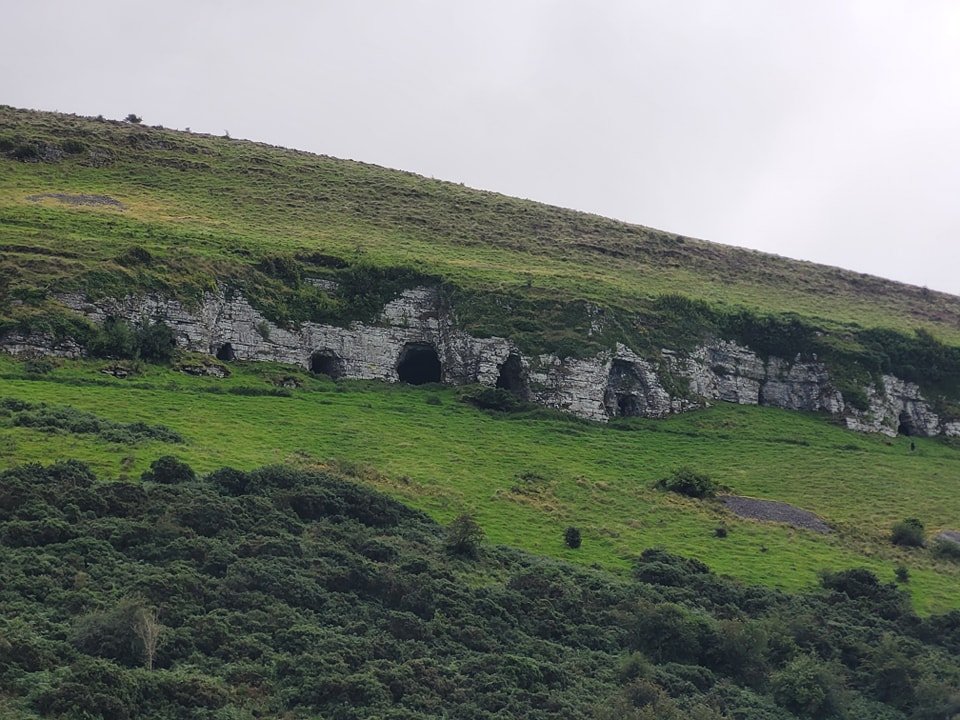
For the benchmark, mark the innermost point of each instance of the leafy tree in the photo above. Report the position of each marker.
(114, 339)
(572, 538)
(156, 341)
(464, 536)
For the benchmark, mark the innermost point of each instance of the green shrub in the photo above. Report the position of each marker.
(155, 341)
(489, 398)
(38, 366)
(690, 483)
(572, 537)
(902, 573)
(909, 533)
(807, 687)
(169, 470)
(134, 256)
(114, 339)
(72, 146)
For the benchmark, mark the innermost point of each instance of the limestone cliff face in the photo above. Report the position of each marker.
(416, 333)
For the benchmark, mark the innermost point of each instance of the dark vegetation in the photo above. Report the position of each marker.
(282, 592)
(119, 340)
(48, 418)
(686, 481)
(909, 532)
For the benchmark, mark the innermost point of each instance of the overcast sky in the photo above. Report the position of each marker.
(818, 129)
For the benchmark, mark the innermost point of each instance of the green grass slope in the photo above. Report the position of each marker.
(111, 208)
(526, 477)
(211, 208)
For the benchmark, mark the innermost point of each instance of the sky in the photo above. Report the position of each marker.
(825, 130)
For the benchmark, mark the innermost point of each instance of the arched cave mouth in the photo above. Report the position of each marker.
(226, 353)
(419, 364)
(326, 362)
(906, 426)
(511, 377)
(625, 394)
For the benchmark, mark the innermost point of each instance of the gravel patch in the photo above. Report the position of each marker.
(950, 536)
(773, 511)
(91, 200)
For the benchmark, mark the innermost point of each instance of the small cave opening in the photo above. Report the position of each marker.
(419, 364)
(906, 426)
(625, 395)
(326, 362)
(511, 377)
(628, 406)
(226, 353)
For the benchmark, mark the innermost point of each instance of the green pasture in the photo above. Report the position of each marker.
(527, 477)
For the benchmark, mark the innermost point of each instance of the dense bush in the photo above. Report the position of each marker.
(67, 419)
(289, 593)
(909, 532)
(690, 483)
(119, 340)
(572, 538)
(169, 470)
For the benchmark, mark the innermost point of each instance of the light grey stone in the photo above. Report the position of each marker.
(611, 384)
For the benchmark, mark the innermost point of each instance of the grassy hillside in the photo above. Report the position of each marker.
(292, 592)
(207, 207)
(528, 476)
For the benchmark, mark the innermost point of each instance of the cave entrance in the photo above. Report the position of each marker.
(419, 364)
(226, 353)
(625, 395)
(628, 406)
(906, 426)
(326, 362)
(511, 376)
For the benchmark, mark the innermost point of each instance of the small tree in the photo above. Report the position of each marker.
(114, 339)
(464, 536)
(909, 533)
(147, 628)
(571, 536)
(133, 118)
(156, 341)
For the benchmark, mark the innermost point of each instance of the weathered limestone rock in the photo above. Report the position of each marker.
(612, 384)
(361, 351)
(897, 407)
(38, 344)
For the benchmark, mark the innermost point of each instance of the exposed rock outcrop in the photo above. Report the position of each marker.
(417, 327)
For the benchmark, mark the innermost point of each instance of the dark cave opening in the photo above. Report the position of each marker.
(511, 376)
(226, 353)
(419, 364)
(628, 406)
(906, 426)
(326, 362)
